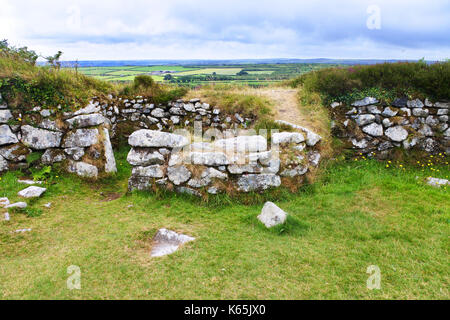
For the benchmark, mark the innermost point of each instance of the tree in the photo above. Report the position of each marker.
(242, 73)
(28, 56)
(168, 77)
(54, 60)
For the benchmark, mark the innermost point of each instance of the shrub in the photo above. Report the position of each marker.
(387, 79)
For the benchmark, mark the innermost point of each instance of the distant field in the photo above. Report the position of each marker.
(193, 75)
(221, 71)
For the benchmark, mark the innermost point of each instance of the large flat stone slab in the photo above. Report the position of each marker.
(81, 138)
(31, 192)
(167, 242)
(157, 139)
(258, 182)
(40, 139)
(82, 169)
(7, 136)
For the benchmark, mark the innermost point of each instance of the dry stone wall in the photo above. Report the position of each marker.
(377, 129)
(233, 163)
(78, 140)
(140, 113)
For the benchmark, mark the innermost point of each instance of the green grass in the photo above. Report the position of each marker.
(385, 81)
(358, 214)
(222, 71)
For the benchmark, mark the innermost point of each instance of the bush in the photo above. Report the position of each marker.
(144, 85)
(387, 79)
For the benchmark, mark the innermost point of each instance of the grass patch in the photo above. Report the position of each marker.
(357, 214)
(232, 99)
(384, 81)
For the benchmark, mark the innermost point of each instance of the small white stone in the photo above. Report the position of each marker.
(19, 205)
(29, 182)
(32, 192)
(4, 202)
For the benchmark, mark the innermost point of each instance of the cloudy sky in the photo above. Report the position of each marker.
(229, 29)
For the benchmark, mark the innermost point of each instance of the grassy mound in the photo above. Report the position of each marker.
(25, 85)
(384, 81)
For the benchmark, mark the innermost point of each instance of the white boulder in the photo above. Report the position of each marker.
(271, 215)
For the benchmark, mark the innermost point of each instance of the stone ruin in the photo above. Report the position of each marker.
(376, 129)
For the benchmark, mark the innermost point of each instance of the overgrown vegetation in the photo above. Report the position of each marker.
(384, 81)
(25, 85)
(232, 99)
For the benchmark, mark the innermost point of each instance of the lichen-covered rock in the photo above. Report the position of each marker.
(157, 139)
(51, 156)
(426, 131)
(442, 105)
(6, 135)
(258, 182)
(287, 137)
(199, 182)
(388, 112)
(110, 160)
(244, 168)
(271, 215)
(400, 102)
(178, 175)
(81, 138)
(297, 171)
(5, 116)
(360, 144)
(87, 120)
(153, 171)
(3, 164)
(82, 169)
(15, 152)
(40, 139)
(186, 190)
(365, 102)
(212, 173)
(213, 159)
(18, 205)
(387, 123)
(242, 144)
(364, 119)
(373, 110)
(158, 113)
(51, 125)
(32, 192)
(314, 158)
(4, 202)
(397, 133)
(144, 157)
(139, 183)
(418, 112)
(75, 153)
(167, 242)
(432, 121)
(90, 108)
(386, 145)
(373, 129)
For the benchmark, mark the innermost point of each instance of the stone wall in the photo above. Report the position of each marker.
(377, 129)
(78, 140)
(139, 113)
(234, 162)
